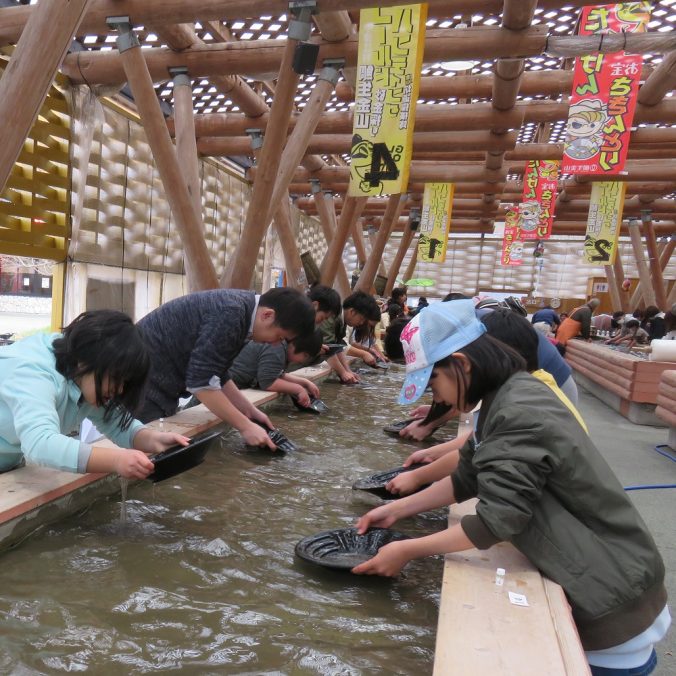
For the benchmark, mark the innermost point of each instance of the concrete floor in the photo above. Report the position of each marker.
(629, 449)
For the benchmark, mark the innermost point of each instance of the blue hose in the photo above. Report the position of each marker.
(649, 487)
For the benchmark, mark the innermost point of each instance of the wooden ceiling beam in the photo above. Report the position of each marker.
(143, 12)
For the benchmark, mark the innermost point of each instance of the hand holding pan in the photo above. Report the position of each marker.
(279, 439)
(376, 483)
(177, 459)
(316, 406)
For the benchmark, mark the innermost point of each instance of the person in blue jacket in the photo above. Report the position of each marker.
(95, 369)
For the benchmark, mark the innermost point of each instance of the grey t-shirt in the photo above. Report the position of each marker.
(258, 365)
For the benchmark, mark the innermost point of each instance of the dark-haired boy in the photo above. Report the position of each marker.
(193, 341)
(262, 366)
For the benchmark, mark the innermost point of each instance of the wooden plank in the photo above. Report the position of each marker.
(481, 632)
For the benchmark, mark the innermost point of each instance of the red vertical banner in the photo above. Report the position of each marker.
(512, 246)
(603, 99)
(536, 211)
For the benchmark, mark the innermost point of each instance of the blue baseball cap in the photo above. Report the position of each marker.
(434, 333)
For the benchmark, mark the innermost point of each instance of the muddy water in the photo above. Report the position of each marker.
(202, 577)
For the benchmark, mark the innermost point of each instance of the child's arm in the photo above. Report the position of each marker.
(408, 482)
(294, 389)
(435, 452)
(364, 355)
(233, 408)
(307, 384)
(338, 363)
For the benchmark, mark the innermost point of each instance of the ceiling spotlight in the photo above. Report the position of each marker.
(456, 66)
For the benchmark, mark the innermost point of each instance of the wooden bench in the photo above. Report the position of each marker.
(33, 496)
(625, 382)
(666, 404)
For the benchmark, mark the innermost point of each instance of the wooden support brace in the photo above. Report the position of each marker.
(164, 154)
(404, 245)
(29, 74)
(654, 261)
(643, 272)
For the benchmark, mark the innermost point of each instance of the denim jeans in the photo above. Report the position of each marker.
(643, 670)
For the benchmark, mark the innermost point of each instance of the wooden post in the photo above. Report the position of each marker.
(295, 273)
(164, 154)
(327, 223)
(30, 72)
(613, 288)
(660, 82)
(186, 151)
(395, 204)
(654, 261)
(665, 257)
(372, 240)
(410, 269)
(296, 146)
(357, 232)
(255, 226)
(351, 212)
(619, 280)
(643, 273)
(404, 244)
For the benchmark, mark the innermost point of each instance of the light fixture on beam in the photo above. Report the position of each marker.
(456, 66)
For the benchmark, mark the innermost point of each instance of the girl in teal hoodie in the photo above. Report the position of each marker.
(95, 369)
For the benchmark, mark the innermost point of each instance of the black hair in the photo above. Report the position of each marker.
(515, 331)
(327, 299)
(392, 343)
(669, 321)
(309, 343)
(618, 314)
(394, 311)
(363, 332)
(106, 343)
(397, 293)
(651, 311)
(454, 295)
(364, 304)
(293, 310)
(492, 364)
(631, 323)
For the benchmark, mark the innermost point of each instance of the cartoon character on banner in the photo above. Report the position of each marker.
(432, 243)
(515, 251)
(548, 169)
(632, 14)
(584, 129)
(360, 160)
(597, 250)
(529, 215)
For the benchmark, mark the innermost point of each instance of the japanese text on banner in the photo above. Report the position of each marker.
(512, 246)
(604, 93)
(391, 42)
(536, 211)
(603, 223)
(435, 222)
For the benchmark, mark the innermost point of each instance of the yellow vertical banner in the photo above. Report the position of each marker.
(435, 222)
(391, 43)
(603, 223)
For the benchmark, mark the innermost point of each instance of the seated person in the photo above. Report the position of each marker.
(393, 348)
(263, 365)
(610, 323)
(670, 323)
(653, 323)
(547, 315)
(631, 333)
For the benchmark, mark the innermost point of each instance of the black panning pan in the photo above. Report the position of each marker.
(279, 439)
(178, 458)
(344, 548)
(396, 427)
(375, 483)
(316, 405)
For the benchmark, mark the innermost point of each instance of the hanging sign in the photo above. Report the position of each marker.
(391, 42)
(603, 223)
(536, 211)
(435, 222)
(512, 246)
(603, 99)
